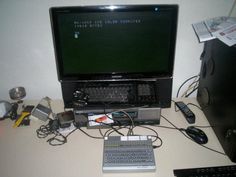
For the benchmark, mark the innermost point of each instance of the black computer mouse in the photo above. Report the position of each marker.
(197, 135)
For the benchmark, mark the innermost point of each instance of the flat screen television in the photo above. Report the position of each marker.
(128, 49)
(114, 42)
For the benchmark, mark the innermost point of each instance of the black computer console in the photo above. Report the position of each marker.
(216, 92)
(117, 94)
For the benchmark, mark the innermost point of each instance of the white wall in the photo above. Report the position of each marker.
(26, 47)
(233, 10)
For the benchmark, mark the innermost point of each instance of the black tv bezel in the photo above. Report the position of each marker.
(55, 11)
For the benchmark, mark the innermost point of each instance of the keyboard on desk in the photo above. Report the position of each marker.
(219, 171)
(108, 94)
(127, 93)
(128, 153)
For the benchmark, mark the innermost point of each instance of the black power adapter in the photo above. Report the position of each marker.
(65, 119)
(54, 124)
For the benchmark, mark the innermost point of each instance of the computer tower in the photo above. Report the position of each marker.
(217, 92)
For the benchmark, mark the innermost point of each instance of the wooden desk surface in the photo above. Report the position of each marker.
(22, 154)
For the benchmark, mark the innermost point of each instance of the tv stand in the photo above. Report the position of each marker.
(117, 93)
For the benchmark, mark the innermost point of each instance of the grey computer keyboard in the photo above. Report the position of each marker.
(128, 153)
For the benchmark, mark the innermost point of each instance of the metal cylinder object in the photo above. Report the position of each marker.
(17, 93)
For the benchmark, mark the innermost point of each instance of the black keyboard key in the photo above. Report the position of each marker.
(218, 171)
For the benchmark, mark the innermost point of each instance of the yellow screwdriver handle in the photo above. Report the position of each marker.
(20, 119)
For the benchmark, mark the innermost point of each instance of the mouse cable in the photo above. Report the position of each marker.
(202, 144)
(182, 129)
(162, 126)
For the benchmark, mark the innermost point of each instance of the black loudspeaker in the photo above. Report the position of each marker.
(217, 92)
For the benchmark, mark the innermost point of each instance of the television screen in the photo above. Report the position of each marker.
(97, 42)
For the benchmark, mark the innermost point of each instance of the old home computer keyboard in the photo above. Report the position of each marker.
(129, 93)
(217, 171)
(128, 153)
